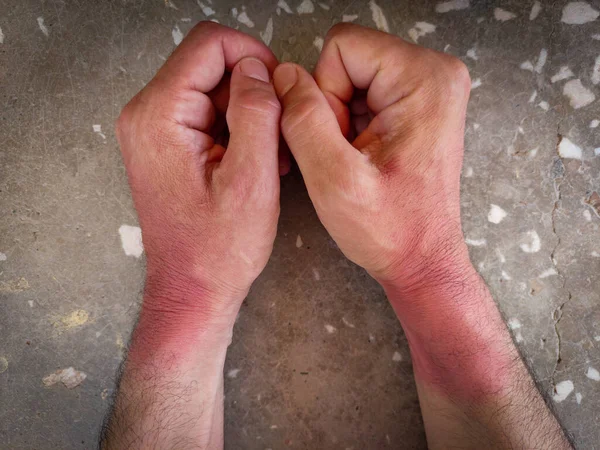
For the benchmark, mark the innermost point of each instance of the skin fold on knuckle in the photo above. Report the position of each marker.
(255, 101)
(302, 118)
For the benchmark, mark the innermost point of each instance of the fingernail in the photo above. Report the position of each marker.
(253, 68)
(284, 78)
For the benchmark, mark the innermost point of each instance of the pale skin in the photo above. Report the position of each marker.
(377, 132)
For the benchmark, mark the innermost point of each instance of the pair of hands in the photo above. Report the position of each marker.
(377, 133)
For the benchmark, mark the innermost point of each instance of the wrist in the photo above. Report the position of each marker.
(458, 340)
(180, 312)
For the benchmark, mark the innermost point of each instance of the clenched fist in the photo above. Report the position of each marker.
(390, 197)
(208, 213)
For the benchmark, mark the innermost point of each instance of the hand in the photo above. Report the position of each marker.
(208, 214)
(390, 199)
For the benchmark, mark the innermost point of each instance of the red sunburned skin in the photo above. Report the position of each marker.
(458, 345)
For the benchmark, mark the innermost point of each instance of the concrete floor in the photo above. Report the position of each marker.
(69, 294)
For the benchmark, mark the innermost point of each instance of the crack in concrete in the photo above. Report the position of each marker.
(558, 174)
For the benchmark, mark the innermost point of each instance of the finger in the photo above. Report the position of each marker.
(253, 119)
(310, 127)
(356, 57)
(207, 52)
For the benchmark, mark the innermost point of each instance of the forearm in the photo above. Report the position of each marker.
(171, 391)
(473, 387)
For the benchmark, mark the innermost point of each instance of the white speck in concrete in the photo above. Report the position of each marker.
(587, 215)
(267, 35)
(468, 172)
(548, 273)
(514, 323)
(131, 240)
(519, 337)
(171, 5)
(371, 338)
(476, 242)
(533, 97)
(505, 275)
(544, 105)
(476, 83)
(596, 71)
(452, 5)
(594, 123)
(596, 37)
(541, 61)
(177, 35)
(30, 303)
(233, 373)
(234, 12)
(70, 377)
(420, 29)
(2, 256)
(564, 73)
(206, 10)
(503, 15)
(595, 254)
(347, 323)
(579, 96)
(527, 65)
(245, 20)
(535, 10)
(496, 214)
(597, 338)
(597, 151)
(500, 256)
(476, 126)
(593, 374)
(562, 390)
(379, 17)
(299, 242)
(316, 274)
(306, 7)
(283, 5)
(480, 19)
(324, 6)
(472, 53)
(318, 42)
(578, 13)
(330, 328)
(98, 130)
(533, 243)
(1, 36)
(578, 397)
(567, 149)
(349, 17)
(43, 27)
(396, 357)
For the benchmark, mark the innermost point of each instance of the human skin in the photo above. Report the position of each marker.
(378, 136)
(390, 199)
(208, 218)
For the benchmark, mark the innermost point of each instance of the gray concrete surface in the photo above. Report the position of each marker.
(69, 294)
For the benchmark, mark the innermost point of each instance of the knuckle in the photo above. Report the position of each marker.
(340, 29)
(456, 76)
(259, 100)
(300, 116)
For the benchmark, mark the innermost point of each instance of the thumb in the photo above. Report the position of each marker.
(310, 126)
(253, 117)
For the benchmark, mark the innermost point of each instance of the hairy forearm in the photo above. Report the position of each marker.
(171, 391)
(473, 387)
